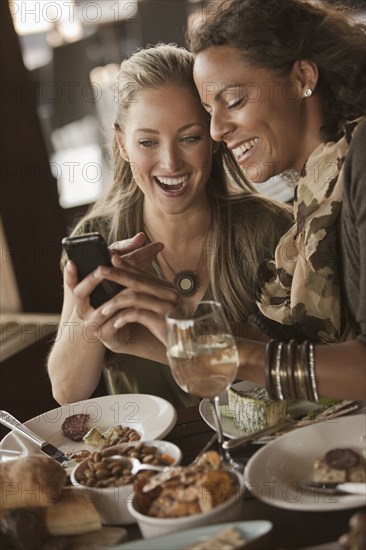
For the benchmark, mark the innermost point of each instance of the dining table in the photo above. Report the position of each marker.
(292, 529)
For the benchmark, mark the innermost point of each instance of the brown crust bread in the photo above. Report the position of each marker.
(31, 481)
(72, 514)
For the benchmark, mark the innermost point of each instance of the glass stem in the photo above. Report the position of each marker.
(216, 410)
(225, 455)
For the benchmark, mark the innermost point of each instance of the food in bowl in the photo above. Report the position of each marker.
(254, 410)
(112, 500)
(195, 489)
(100, 471)
(340, 465)
(187, 497)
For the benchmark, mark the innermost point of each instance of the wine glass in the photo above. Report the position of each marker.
(203, 356)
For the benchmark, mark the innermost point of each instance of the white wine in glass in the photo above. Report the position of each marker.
(202, 355)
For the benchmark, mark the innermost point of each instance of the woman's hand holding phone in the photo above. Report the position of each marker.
(146, 299)
(143, 298)
(97, 325)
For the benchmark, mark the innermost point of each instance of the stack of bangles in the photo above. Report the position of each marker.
(289, 370)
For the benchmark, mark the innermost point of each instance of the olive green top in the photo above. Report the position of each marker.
(131, 374)
(125, 373)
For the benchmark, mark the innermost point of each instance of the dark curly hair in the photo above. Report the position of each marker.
(276, 33)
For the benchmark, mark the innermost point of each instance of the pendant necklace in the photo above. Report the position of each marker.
(186, 282)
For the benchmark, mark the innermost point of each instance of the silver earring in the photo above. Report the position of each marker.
(308, 92)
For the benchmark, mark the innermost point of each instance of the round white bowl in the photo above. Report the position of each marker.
(231, 510)
(112, 502)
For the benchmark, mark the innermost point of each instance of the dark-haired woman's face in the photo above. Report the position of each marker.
(262, 117)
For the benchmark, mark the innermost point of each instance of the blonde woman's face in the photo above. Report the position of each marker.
(262, 117)
(167, 142)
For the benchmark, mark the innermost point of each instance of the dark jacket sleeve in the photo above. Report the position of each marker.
(353, 231)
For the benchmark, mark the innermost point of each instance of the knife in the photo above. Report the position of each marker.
(237, 442)
(50, 450)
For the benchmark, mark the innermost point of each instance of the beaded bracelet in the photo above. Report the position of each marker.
(278, 385)
(312, 372)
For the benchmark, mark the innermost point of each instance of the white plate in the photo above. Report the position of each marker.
(294, 409)
(250, 530)
(151, 416)
(273, 473)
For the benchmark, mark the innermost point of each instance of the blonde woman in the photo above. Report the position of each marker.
(186, 197)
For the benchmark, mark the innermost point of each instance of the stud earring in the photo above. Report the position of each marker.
(308, 92)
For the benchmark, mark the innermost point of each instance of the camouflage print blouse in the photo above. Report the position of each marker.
(301, 286)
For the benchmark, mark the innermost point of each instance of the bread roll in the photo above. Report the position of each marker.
(31, 481)
(72, 514)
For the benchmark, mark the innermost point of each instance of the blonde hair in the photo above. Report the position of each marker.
(227, 189)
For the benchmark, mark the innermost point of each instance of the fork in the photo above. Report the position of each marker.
(339, 409)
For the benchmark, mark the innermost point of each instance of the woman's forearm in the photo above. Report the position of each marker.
(75, 362)
(251, 360)
(340, 369)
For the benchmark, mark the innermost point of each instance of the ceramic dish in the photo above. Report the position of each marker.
(231, 510)
(152, 417)
(273, 473)
(249, 530)
(111, 503)
(294, 410)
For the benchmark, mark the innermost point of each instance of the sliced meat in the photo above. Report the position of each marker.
(76, 426)
(342, 459)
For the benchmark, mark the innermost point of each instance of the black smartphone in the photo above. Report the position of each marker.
(89, 251)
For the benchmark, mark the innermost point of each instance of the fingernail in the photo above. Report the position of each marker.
(116, 324)
(97, 274)
(106, 310)
(103, 270)
(69, 266)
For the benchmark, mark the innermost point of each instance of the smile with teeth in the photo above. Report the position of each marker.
(170, 183)
(244, 147)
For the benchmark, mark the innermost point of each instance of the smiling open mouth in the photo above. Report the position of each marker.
(171, 184)
(244, 147)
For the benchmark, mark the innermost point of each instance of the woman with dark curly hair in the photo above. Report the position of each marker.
(284, 83)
